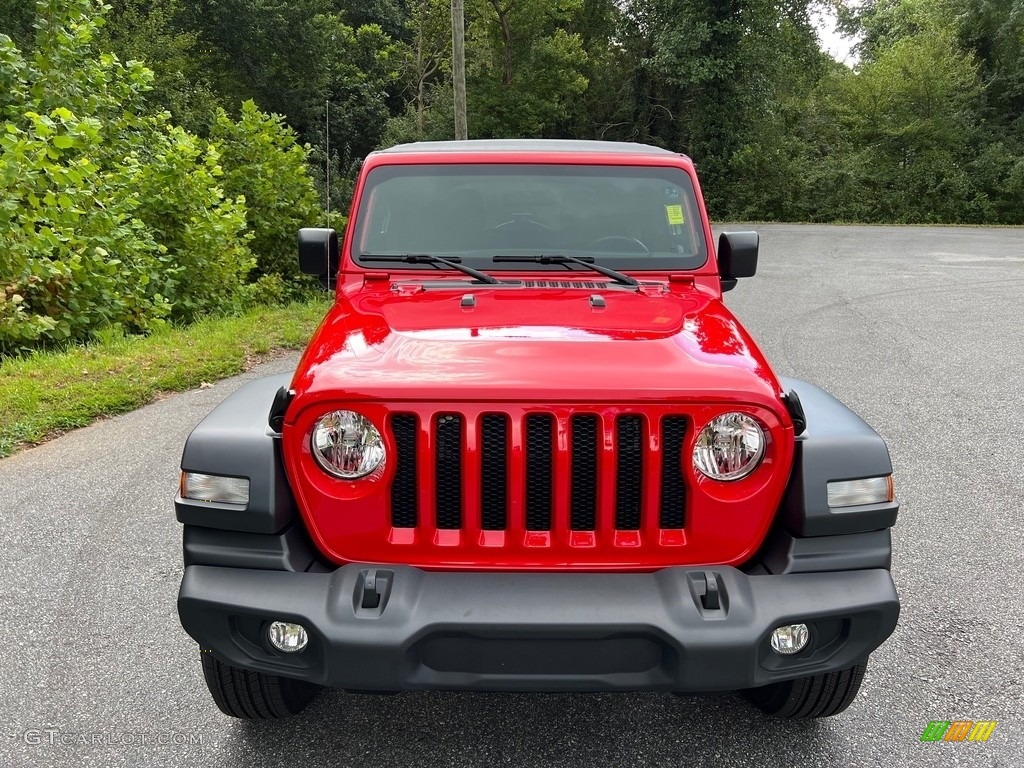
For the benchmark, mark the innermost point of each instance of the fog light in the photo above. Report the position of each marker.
(790, 639)
(287, 637)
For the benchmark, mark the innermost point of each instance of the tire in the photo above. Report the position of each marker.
(806, 697)
(254, 695)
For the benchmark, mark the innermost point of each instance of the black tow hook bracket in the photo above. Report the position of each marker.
(371, 597)
(708, 592)
(373, 586)
(711, 599)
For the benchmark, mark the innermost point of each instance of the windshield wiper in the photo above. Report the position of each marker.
(586, 261)
(425, 258)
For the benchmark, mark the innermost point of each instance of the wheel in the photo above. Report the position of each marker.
(622, 239)
(821, 695)
(254, 695)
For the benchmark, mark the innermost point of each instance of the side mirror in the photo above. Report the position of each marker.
(319, 254)
(737, 257)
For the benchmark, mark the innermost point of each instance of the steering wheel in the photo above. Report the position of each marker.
(524, 221)
(631, 241)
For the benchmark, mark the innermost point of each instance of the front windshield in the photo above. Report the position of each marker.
(624, 217)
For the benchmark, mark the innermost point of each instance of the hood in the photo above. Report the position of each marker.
(543, 344)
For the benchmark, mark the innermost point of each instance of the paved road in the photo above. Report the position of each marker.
(920, 330)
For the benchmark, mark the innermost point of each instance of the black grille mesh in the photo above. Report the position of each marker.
(493, 477)
(583, 504)
(539, 458)
(585, 446)
(673, 486)
(448, 471)
(629, 467)
(403, 487)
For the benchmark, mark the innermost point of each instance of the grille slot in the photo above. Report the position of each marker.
(673, 485)
(583, 503)
(539, 460)
(493, 472)
(403, 487)
(448, 471)
(515, 469)
(629, 466)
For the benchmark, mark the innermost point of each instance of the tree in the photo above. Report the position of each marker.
(908, 128)
(292, 59)
(265, 166)
(524, 69)
(16, 19)
(111, 215)
(390, 15)
(152, 31)
(427, 56)
(708, 74)
(598, 113)
(881, 23)
(994, 31)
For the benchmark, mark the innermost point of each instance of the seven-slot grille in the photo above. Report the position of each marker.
(595, 466)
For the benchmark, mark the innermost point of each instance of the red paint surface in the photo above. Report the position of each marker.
(673, 350)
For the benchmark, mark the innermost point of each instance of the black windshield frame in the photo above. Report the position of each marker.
(555, 208)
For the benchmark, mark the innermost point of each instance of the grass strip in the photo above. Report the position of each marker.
(48, 393)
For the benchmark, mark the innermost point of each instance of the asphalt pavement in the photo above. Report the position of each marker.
(919, 330)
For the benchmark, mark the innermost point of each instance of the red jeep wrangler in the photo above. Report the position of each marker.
(530, 449)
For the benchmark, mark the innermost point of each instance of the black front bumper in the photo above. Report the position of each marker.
(537, 631)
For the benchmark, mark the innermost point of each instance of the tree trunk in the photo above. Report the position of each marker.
(506, 41)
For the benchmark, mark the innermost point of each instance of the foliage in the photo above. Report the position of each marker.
(929, 127)
(425, 58)
(130, 197)
(16, 20)
(148, 30)
(926, 127)
(906, 116)
(264, 165)
(112, 216)
(293, 59)
(49, 392)
(434, 123)
(528, 68)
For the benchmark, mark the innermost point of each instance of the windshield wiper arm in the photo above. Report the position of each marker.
(425, 258)
(586, 261)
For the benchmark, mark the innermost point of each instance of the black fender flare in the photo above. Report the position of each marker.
(837, 445)
(236, 440)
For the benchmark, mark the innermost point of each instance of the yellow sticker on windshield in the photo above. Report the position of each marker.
(675, 215)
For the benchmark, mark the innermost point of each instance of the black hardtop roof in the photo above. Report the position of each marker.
(530, 145)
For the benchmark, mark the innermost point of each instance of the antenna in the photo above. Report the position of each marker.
(328, 163)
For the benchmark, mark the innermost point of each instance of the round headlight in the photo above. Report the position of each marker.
(347, 445)
(729, 447)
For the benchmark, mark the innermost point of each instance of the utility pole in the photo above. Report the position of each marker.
(328, 164)
(459, 67)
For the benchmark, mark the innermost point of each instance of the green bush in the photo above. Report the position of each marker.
(264, 165)
(115, 218)
(204, 257)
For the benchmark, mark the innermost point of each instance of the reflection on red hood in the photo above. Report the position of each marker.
(533, 344)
